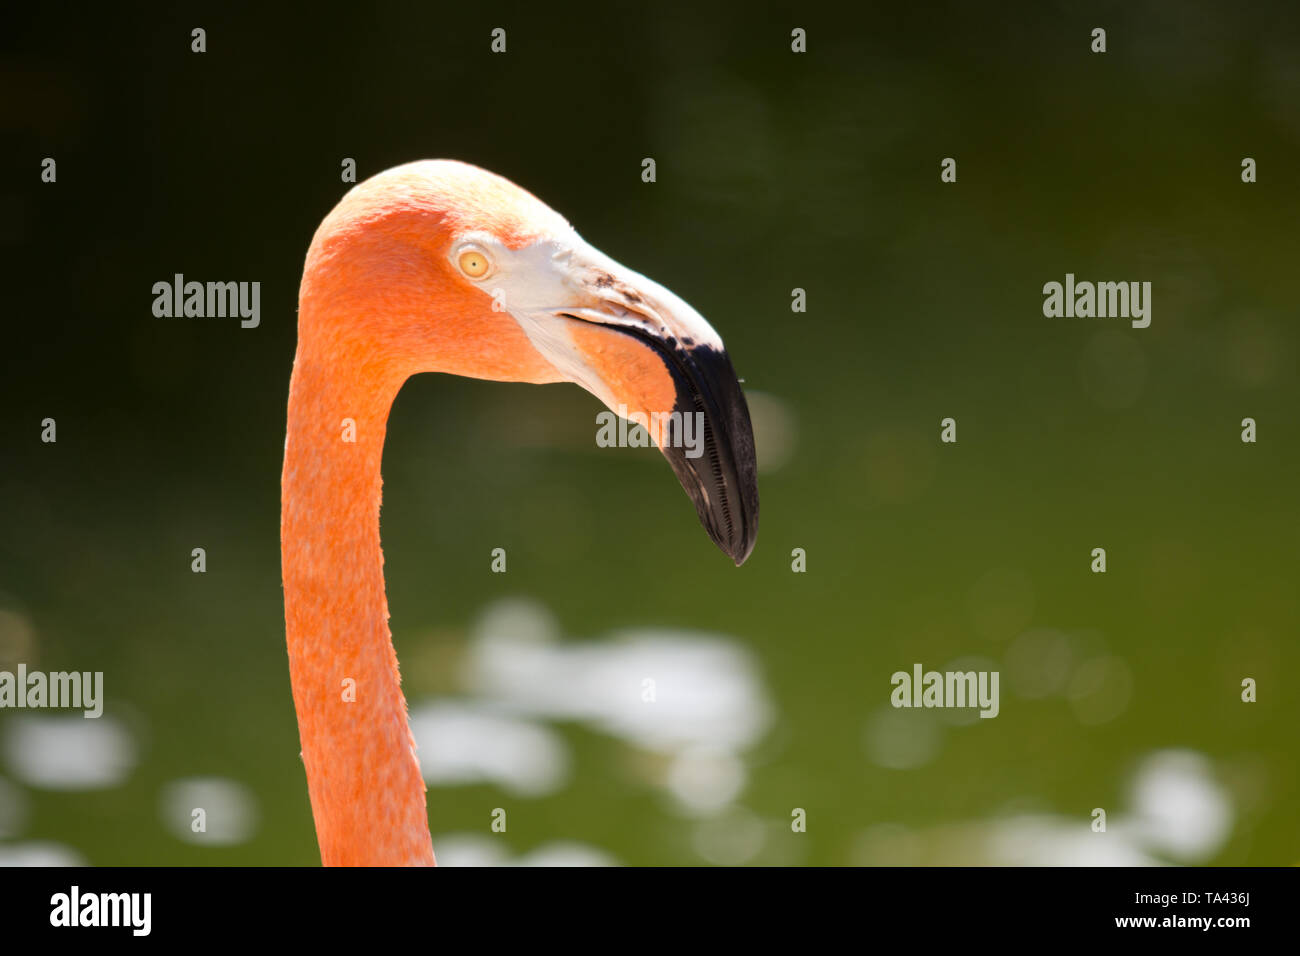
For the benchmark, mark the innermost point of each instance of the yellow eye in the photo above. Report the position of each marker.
(473, 264)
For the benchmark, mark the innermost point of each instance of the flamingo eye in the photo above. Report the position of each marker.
(473, 263)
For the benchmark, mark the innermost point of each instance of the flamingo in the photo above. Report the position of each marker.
(440, 266)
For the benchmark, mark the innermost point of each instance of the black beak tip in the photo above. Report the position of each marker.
(741, 553)
(723, 482)
(739, 544)
(736, 542)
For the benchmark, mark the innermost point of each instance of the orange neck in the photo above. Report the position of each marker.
(367, 795)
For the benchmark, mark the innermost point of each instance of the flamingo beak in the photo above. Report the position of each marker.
(651, 358)
(687, 393)
(654, 360)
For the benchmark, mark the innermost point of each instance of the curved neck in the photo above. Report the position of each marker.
(367, 795)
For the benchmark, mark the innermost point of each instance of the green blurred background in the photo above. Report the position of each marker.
(775, 171)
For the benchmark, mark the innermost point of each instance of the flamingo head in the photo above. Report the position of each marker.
(442, 266)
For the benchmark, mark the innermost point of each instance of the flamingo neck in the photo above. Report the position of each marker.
(367, 795)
